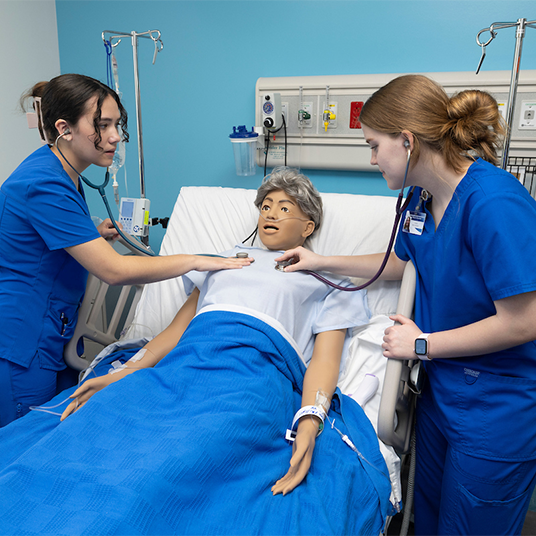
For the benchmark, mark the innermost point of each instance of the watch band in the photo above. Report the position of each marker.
(425, 356)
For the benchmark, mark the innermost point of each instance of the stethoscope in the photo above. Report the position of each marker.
(100, 188)
(399, 210)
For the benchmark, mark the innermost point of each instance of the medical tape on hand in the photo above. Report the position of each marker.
(117, 367)
(322, 400)
(302, 412)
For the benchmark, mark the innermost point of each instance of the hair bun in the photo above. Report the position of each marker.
(35, 91)
(470, 115)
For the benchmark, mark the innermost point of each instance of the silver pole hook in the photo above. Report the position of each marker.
(158, 44)
(484, 45)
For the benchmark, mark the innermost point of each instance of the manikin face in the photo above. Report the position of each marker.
(389, 154)
(282, 223)
(82, 144)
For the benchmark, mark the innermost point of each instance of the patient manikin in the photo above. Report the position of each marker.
(194, 432)
(309, 310)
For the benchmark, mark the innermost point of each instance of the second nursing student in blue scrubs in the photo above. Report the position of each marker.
(49, 242)
(469, 230)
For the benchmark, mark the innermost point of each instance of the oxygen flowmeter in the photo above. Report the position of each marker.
(271, 111)
(134, 216)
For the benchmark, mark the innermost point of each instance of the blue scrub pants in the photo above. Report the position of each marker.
(22, 387)
(460, 494)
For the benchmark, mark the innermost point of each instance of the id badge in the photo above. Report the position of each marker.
(414, 222)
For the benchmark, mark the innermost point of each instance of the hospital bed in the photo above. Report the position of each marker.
(211, 220)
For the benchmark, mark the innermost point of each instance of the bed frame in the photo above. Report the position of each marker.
(93, 323)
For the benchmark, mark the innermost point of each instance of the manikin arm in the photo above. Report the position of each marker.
(155, 350)
(321, 377)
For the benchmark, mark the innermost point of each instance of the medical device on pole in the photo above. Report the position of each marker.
(136, 216)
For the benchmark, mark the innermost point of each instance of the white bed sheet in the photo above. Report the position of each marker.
(213, 219)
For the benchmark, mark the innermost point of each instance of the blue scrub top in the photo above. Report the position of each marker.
(41, 285)
(483, 250)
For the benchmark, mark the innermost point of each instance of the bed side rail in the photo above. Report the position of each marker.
(397, 400)
(93, 324)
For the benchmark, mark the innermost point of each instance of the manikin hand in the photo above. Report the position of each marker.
(89, 388)
(303, 259)
(302, 453)
(399, 340)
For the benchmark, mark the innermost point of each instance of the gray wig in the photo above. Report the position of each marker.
(296, 185)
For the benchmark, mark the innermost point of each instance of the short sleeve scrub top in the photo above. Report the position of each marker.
(41, 285)
(483, 250)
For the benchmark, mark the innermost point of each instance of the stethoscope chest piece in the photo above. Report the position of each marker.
(281, 265)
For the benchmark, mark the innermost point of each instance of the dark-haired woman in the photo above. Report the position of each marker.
(50, 242)
(469, 230)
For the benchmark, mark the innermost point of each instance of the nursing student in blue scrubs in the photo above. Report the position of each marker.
(49, 242)
(469, 230)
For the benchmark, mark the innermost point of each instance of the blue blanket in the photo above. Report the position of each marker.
(193, 446)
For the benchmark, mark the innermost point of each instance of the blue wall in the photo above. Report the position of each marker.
(203, 82)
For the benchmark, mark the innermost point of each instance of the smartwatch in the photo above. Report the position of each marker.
(421, 347)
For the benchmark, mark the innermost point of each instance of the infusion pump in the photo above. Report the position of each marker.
(134, 216)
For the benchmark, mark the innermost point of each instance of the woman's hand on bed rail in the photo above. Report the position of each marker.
(399, 340)
(89, 388)
(107, 230)
(302, 453)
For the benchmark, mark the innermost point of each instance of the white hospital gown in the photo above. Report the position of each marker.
(302, 304)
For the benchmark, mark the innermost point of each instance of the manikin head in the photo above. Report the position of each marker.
(290, 209)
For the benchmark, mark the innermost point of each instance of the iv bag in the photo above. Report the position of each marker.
(119, 158)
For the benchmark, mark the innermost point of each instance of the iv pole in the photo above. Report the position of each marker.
(521, 24)
(158, 46)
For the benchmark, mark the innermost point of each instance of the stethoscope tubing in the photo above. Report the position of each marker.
(399, 210)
